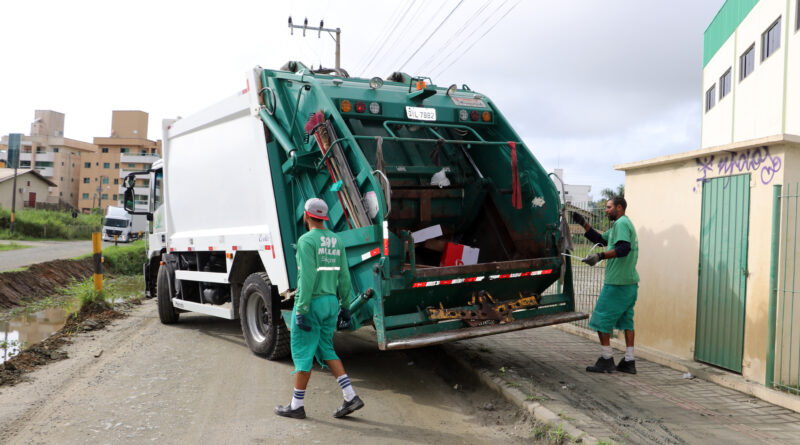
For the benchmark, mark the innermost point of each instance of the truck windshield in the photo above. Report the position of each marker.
(111, 222)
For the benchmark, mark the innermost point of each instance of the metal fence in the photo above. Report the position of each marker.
(587, 280)
(783, 341)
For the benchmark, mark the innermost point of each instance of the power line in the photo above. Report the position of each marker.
(411, 43)
(458, 32)
(374, 47)
(389, 48)
(387, 37)
(431, 35)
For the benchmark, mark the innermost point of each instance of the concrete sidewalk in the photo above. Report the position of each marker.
(544, 370)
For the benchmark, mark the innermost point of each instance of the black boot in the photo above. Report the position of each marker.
(349, 407)
(287, 411)
(602, 365)
(627, 366)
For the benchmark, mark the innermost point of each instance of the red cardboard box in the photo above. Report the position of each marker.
(459, 255)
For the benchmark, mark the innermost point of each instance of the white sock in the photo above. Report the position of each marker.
(298, 397)
(629, 354)
(347, 388)
(607, 353)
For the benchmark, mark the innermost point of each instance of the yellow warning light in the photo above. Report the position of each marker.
(229, 256)
(486, 116)
(345, 106)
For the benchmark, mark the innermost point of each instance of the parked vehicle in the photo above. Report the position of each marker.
(452, 228)
(118, 225)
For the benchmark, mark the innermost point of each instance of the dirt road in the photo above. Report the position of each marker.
(196, 382)
(43, 251)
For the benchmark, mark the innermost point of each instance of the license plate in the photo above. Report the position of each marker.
(421, 114)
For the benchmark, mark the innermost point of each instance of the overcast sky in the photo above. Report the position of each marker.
(586, 84)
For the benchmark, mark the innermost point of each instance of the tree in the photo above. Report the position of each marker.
(609, 193)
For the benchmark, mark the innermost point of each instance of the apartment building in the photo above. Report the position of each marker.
(55, 157)
(127, 149)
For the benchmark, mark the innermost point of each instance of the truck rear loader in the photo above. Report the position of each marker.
(452, 229)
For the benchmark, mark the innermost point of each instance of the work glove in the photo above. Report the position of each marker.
(593, 258)
(578, 219)
(343, 322)
(300, 320)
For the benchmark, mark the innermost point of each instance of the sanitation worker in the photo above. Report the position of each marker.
(614, 308)
(321, 272)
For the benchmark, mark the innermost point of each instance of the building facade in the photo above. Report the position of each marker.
(705, 218)
(570, 192)
(126, 150)
(32, 187)
(55, 157)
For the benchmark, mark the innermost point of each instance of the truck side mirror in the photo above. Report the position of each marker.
(129, 200)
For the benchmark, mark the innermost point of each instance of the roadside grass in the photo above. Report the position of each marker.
(33, 224)
(12, 246)
(122, 259)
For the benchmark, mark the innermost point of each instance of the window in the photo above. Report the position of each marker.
(725, 84)
(39, 149)
(28, 183)
(62, 179)
(116, 181)
(143, 151)
(132, 165)
(26, 164)
(114, 198)
(747, 62)
(86, 180)
(106, 165)
(711, 96)
(62, 164)
(104, 149)
(60, 193)
(87, 165)
(797, 16)
(105, 179)
(124, 150)
(55, 149)
(771, 40)
(104, 196)
(85, 196)
(116, 166)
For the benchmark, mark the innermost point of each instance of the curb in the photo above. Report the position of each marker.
(518, 398)
(699, 370)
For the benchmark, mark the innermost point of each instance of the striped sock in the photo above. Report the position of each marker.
(347, 388)
(297, 398)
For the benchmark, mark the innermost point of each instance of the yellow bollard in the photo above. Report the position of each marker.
(97, 252)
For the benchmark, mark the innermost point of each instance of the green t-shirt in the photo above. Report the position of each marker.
(321, 269)
(622, 271)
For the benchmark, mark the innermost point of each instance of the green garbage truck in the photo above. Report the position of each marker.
(452, 228)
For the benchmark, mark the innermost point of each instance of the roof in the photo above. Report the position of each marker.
(8, 173)
(678, 157)
(728, 18)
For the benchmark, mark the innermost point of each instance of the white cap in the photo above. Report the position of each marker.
(316, 208)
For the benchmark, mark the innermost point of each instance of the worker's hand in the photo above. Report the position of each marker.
(300, 320)
(343, 322)
(578, 219)
(593, 258)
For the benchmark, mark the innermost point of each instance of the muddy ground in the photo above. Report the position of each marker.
(41, 280)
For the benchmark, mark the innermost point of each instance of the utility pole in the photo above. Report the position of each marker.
(319, 30)
(14, 147)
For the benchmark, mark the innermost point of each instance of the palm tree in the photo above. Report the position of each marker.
(609, 193)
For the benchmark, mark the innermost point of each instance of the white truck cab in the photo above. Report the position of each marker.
(118, 223)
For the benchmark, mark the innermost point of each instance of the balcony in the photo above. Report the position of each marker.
(40, 157)
(45, 171)
(147, 158)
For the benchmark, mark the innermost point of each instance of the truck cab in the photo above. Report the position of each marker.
(118, 225)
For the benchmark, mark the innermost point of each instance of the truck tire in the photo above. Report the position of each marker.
(166, 311)
(262, 325)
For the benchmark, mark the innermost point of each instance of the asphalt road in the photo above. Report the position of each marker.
(43, 251)
(197, 382)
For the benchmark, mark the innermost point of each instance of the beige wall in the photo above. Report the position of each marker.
(664, 203)
(793, 72)
(129, 124)
(37, 185)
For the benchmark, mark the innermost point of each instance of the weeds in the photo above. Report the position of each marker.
(125, 260)
(12, 246)
(48, 224)
(556, 435)
(535, 398)
(84, 293)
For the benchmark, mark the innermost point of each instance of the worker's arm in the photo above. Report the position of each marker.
(344, 288)
(620, 250)
(306, 274)
(590, 234)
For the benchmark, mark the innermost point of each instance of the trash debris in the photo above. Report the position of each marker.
(457, 387)
(98, 353)
(440, 179)
(688, 375)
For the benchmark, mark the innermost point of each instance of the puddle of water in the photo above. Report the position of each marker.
(28, 329)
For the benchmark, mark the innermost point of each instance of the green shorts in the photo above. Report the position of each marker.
(318, 342)
(614, 308)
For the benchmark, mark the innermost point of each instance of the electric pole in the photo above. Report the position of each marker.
(14, 150)
(319, 30)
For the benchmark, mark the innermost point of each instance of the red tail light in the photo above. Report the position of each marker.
(474, 115)
(361, 107)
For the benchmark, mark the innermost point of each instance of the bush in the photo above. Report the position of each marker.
(50, 224)
(125, 260)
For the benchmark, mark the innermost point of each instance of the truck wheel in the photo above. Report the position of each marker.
(262, 325)
(166, 311)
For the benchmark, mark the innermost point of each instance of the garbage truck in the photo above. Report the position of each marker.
(452, 229)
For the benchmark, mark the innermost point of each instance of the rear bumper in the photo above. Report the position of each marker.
(436, 338)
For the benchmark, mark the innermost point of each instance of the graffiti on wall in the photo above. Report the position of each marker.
(754, 160)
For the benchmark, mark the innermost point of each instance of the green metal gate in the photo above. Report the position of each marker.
(719, 339)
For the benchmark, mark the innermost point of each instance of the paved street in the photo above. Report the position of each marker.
(43, 251)
(656, 406)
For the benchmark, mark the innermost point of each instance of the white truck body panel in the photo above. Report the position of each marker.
(206, 156)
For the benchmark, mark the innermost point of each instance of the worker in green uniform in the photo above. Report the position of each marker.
(321, 272)
(614, 308)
